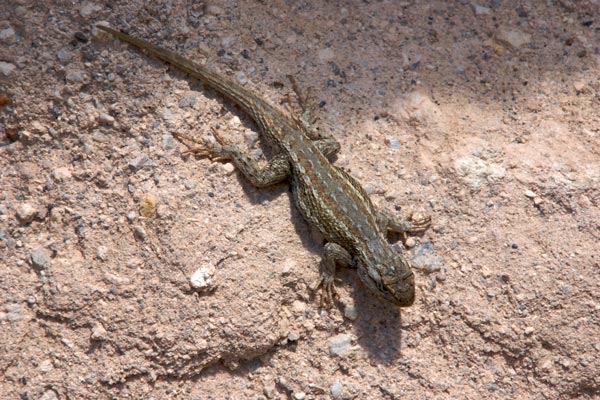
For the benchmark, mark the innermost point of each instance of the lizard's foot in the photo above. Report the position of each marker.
(215, 152)
(307, 116)
(419, 223)
(328, 294)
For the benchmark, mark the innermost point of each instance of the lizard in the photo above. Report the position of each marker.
(327, 197)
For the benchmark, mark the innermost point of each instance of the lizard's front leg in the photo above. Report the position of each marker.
(333, 254)
(276, 171)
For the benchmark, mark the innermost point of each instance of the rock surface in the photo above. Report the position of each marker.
(483, 114)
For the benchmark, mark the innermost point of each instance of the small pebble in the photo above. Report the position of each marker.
(46, 366)
(227, 42)
(480, 10)
(189, 184)
(106, 119)
(7, 35)
(326, 55)
(213, 10)
(140, 162)
(49, 395)
(115, 279)
(299, 395)
(88, 8)
(241, 77)
(529, 330)
(410, 243)
(63, 56)
(579, 86)
(100, 137)
(101, 253)
(513, 37)
(298, 307)
(340, 344)
(441, 276)
(13, 312)
(530, 194)
(229, 168)
(293, 337)
(61, 174)
(6, 68)
(350, 312)
(40, 259)
(139, 232)
(202, 278)
(75, 76)
(336, 390)
(188, 101)
(98, 332)
(131, 216)
(167, 142)
(26, 213)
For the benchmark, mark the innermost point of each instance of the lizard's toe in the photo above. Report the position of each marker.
(420, 223)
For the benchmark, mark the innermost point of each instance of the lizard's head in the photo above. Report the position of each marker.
(393, 281)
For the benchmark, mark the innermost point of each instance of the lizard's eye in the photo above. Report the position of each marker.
(382, 288)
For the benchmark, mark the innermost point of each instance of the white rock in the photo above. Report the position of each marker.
(514, 37)
(106, 119)
(88, 8)
(350, 312)
(326, 54)
(202, 278)
(98, 332)
(228, 168)
(49, 395)
(26, 213)
(46, 366)
(6, 68)
(336, 390)
(61, 173)
(7, 35)
(75, 76)
(480, 10)
(340, 344)
(213, 10)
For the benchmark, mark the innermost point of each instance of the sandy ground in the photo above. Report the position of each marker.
(483, 115)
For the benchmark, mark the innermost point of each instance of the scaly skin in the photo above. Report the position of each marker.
(326, 196)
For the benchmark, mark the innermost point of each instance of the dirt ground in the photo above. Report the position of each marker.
(482, 114)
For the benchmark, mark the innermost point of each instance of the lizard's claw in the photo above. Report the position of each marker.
(219, 138)
(420, 223)
(328, 294)
(213, 152)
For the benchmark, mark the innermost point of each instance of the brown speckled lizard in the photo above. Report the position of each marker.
(327, 197)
